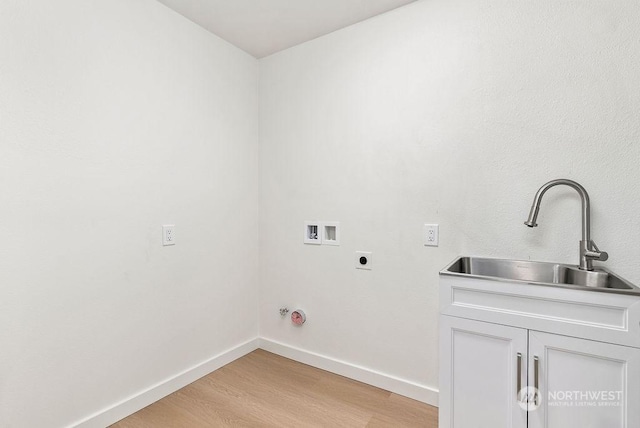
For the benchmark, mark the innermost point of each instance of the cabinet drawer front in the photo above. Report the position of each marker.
(591, 315)
(574, 312)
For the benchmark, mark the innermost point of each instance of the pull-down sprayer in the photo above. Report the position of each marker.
(588, 249)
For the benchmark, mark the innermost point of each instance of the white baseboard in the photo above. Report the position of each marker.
(132, 404)
(138, 401)
(394, 384)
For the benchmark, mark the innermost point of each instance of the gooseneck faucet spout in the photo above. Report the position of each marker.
(588, 249)
(586, 205)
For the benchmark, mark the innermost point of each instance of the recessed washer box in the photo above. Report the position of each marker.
(313, 232)
(330, 233)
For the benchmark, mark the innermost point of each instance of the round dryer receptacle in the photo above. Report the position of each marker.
(298, 317)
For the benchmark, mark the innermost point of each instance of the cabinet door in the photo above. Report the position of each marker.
(479, 365)
(583, 383)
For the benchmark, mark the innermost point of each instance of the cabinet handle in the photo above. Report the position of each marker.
(519, 376)
(536, 384)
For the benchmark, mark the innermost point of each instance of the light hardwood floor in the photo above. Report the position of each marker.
(262, 389)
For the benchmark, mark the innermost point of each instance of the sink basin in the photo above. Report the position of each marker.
(554, 274)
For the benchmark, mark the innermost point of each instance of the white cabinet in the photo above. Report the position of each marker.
(584, 383)
(580, 348)
(479, 374)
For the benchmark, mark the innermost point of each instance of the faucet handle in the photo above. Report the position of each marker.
(597, 254)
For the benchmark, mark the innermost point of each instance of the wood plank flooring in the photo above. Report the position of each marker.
(262, 389)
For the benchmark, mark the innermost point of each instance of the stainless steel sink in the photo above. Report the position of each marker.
(552, 274)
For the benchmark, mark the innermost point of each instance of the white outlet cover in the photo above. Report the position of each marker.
(431, 233)
(168, 234)
(367, 263)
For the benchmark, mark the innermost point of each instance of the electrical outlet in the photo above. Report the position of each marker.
(168, 234)
(431, 235)
(364, 260)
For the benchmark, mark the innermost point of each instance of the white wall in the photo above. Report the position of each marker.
(449, 112)
(117, 116)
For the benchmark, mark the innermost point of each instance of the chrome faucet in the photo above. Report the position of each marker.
(588, 249)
